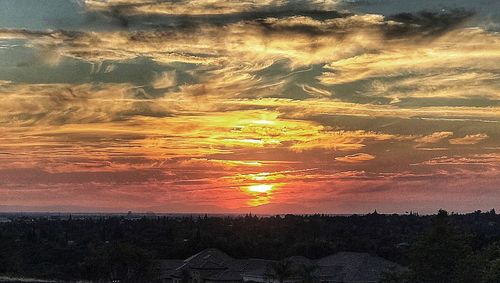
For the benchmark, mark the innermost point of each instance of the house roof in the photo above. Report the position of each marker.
(301, 260)
(169, 264)
(355, 267)
(257, 267)
(210, 265)
(249, 264)
(226, 275)
(237, 268)
(208, 259)
(339, 267)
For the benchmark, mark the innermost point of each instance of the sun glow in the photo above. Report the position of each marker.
(260, 188)
(260, 177)
(263, 122)
(261, 193)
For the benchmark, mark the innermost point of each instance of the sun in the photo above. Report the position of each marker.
(260, 188)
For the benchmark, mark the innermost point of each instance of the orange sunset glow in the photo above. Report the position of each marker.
(249, 106)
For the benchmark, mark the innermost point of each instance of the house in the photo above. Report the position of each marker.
(208, 266)
(215, 266)
(5, 220)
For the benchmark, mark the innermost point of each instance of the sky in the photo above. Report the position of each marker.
(252, 106)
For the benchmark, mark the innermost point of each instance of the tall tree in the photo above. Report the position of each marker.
(309, 273)
(437, 256)
(280, 270)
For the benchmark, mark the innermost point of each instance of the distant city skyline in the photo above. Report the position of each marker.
(255, 106)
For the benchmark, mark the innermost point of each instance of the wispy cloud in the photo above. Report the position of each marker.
(434, 137)
(469, 139)
(355, 158)
(227, 105)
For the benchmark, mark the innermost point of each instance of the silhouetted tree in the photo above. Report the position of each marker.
(92, 247)
(280, 270)
(309, 273)
(124, 262)
(437, 255)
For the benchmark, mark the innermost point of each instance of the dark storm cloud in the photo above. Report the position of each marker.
(192, 21)
(423, 23)
(427, 22)
(143, 14)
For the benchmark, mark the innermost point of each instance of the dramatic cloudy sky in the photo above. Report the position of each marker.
(264, 106)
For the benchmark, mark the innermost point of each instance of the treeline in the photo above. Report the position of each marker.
(437, 248)
(447, 254)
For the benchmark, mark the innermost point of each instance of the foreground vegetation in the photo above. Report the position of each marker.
(437, 248)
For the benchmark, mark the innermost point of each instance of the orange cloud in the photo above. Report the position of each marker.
(355, 158)
(469, 139)
(434, 137)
